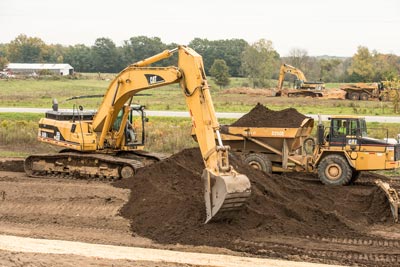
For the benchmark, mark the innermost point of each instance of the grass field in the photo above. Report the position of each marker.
(39, 93)
(18, 135)
(18, 130)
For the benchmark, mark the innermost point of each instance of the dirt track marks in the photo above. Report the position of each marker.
(65, 209)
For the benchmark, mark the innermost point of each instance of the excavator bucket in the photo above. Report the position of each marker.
(392, 196)
(224, 194)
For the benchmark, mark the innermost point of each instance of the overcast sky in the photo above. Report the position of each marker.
(322, 27)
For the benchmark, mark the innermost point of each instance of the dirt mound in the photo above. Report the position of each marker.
(251, 91)
(166, 204)
(261, 116)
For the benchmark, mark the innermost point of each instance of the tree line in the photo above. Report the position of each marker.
(257, 61)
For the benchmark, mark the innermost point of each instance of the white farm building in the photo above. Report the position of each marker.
(37, 68)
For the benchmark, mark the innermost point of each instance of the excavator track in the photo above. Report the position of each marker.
(85, 166)
(305, 93)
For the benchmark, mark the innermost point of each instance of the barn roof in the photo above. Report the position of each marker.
(38, 66)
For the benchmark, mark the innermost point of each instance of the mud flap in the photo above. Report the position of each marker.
(392, 196)
(224, 194)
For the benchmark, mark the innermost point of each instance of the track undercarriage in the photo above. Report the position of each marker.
(88, 165)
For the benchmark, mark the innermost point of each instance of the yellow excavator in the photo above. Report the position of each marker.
(101, 144)
(302, 86)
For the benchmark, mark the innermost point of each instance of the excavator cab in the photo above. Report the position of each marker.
(134, 131)
(135, 128)
(298, 84)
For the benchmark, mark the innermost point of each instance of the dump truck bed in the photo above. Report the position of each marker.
(238, 137)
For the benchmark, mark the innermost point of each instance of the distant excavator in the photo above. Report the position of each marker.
(103, 144)
(302, 86)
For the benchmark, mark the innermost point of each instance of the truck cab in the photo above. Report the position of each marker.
(345, 128)
(345, 149)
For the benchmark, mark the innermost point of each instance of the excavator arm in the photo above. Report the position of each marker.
(286, 68)
(225, 190)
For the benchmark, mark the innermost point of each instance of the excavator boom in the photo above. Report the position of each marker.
(286, 68)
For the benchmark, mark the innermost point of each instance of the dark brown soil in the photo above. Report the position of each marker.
(12, 164)
(166, 204)
(261, 116)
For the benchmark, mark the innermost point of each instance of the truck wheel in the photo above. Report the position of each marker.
(354, 96)
(334, 170)
(364, 96)
(260, 162)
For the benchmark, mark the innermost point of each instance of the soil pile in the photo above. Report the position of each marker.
(261, 116)
(166, 204)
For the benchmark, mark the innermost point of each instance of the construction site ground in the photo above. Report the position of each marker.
(291, 217)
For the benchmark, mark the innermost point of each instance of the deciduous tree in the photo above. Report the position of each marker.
(259, 61)
(79, 56)
(24, 49)
(141, 47)
(362, 65)
(220, 73)
(105, 56)
(298, 58)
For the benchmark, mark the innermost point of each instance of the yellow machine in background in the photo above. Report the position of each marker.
(363, 91)
(302, 86)
(102, 144)
(382, 91)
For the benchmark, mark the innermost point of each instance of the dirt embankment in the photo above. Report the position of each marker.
(166, 205)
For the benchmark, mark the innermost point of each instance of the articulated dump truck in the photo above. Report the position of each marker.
(339, 155)
(382, 91)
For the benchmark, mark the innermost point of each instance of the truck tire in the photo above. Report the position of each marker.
(334, 170)
(354, 96)
(259, 161)
(364, 97)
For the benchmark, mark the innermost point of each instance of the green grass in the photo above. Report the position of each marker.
(13, 154)
(18, 137)
(20, 116)
(18, 134)
(39, 93)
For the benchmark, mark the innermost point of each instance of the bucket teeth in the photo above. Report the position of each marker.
(224, 194)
